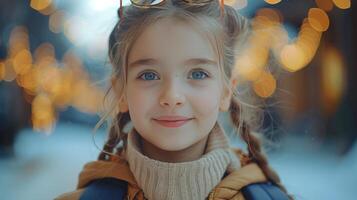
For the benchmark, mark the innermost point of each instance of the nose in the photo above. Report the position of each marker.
(172, 96)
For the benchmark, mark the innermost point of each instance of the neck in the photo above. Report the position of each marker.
(190, 153)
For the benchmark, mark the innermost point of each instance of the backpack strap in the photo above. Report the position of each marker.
(263, 191)
(105, 188)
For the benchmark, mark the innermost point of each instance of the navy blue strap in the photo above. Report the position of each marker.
(106, 188)
(263, 191)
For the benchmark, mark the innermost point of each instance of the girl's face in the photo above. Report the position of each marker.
(173, 72)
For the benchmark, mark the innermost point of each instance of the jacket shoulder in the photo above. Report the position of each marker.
(263, 191)
(105, 188)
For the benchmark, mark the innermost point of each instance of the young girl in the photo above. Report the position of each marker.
(172, 64)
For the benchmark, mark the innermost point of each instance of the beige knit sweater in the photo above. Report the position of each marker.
(186, 180)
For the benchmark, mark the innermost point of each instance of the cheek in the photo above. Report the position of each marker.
(138, 101)
(206, 102)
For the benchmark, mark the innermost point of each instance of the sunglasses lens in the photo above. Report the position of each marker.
(146, 2)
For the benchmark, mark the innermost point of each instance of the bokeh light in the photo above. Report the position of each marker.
(265, 86)
(2, 70)
(342, 4)
(56, 21)
(40, 5)
(272, 1)
(318, 19)
(18, 40)
(43, 113)
(333, 79)
(48, 84)
(22, 62)
(292, 57)
(326, 5)
(30, 81)
(298, 54)
(273, 15)
(10, 73)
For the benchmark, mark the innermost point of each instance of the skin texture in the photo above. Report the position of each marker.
(173, 83)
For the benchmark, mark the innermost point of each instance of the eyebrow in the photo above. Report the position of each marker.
(192, 62)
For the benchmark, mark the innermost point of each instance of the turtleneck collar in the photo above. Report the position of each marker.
(184, 180)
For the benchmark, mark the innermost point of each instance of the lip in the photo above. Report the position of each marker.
(172, 118)
(172, 121)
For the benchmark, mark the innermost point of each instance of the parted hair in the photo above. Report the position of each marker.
(227, 33)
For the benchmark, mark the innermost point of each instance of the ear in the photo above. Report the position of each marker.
(123, 105)
(226, 98)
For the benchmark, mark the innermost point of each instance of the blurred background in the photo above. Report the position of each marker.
(54, 74)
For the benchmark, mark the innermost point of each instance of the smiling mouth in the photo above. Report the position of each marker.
(172, 123)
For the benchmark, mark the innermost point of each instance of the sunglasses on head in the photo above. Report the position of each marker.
(153, 3)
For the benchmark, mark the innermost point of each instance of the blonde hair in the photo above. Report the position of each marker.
(227, 37)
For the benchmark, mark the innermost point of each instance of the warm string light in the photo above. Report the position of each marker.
(333, 79)
(342, 4)
(272, 1)
(326, 5)
(44, 6)
(49, 85)
(251, 64)
(298, 54)
(265, 86)
(269, 34)
(318, 19)
(2, 70)
(40, 4)
(43, 113)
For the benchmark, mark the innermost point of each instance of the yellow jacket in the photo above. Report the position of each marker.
(228, 189)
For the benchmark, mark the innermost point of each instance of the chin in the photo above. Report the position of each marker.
(172, 146)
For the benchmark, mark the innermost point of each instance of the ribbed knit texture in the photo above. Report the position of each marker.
(186, 180)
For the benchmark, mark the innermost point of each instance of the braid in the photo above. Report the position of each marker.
(254, 146)
(116, 135)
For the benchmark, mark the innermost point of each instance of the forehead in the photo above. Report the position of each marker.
(171, 41)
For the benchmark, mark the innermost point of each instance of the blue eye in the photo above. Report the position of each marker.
(199, 75)
(148, 76)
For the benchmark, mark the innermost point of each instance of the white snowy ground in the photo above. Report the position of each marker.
(46, 166)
